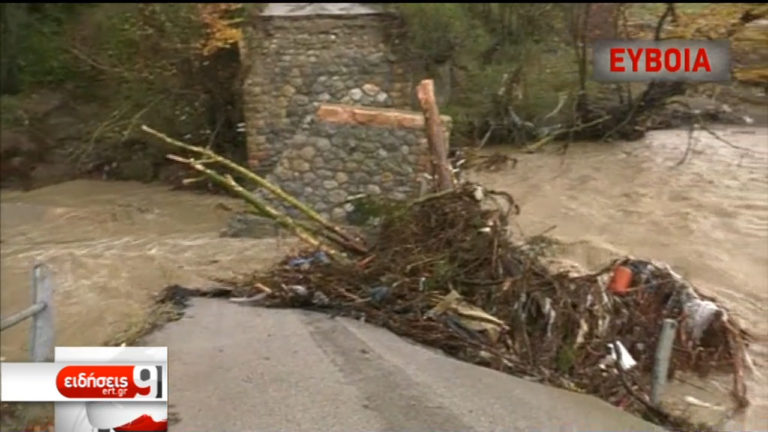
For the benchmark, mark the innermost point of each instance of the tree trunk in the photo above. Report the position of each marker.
(11, 15)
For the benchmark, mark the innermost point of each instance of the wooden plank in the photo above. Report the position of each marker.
(436, 136)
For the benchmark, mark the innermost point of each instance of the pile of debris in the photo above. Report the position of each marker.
(445, 272)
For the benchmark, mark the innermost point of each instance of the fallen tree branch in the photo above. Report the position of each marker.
(264, 208)
(701, 124)
(353, 243)
(726, 142)
(668, 12)
(561, 99)
(689, 147)
(538, 144)
(93, 63)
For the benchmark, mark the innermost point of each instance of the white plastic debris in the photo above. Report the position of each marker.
(699, 316)
(297, 290)
(748, 120)
(248, 300)
(751, 365)
(627, 362)
(320, 299)
(422, 284)
(550, 313)
(697, 402)
(478, 193)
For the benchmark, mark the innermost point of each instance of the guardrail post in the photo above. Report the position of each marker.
(42, 333)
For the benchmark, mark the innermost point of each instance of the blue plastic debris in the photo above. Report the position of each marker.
(318, 257)
(642, 271)
(299, 262)
(321, 257)
(379, 293)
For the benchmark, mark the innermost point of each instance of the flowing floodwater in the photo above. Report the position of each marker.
(707, 218)
(114, 245)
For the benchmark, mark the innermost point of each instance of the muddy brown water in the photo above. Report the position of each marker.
(114, 245)
(707, 218)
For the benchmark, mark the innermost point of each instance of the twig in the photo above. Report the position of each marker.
(562, 98)
(249, 300)
(262, 287)
(705, 128)
(215, 132)
(487, 136)
(629, 116)
(535, 146)
(689, 147)
(670, 10)
(135, 118)
(737, 352)
(429, 197)
(724, 141)
(79, 54)
(548, 230)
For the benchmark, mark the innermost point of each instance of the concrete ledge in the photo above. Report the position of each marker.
(378, 117)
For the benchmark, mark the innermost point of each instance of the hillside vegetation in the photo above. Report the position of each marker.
(78, 78)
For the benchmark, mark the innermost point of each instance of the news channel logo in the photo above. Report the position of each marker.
(141, 390)
(96, 389)
(667, 60)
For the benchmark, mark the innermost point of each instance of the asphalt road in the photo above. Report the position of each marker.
(238, 368)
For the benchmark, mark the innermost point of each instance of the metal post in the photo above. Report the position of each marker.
(42, 333)
(663, 354)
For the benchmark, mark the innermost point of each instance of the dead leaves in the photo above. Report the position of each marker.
(222, 31)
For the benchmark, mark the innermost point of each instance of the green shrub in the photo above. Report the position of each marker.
(486, 42)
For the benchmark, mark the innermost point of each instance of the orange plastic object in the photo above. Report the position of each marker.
(622, 278)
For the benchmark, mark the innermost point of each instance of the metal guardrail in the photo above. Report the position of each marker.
(41, 343)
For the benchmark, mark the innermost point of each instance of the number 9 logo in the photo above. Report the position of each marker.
(148, 381)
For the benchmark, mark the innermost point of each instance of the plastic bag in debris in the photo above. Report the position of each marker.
(627, 362)
(468, 316)
(642, 271)
(297, 290)
(380, 293)
(699, 316)
(317, 257)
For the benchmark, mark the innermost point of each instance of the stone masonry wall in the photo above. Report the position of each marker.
(295, 63)
(318, 100)
(354, 150)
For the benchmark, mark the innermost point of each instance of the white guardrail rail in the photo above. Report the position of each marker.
(42, 332)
